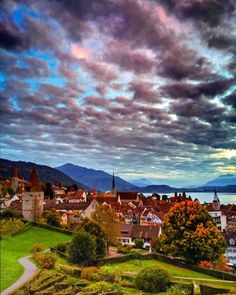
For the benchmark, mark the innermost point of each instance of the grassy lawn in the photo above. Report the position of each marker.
(136, 265)
(15, 247)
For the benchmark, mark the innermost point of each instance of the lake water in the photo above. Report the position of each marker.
(225, 198)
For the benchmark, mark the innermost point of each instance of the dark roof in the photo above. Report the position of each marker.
(67, 206)
(139, 231)
(127, 195)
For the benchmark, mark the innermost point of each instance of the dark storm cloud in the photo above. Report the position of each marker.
(201, 109)
(231, 99)
(209, 11)
(180, 62)
(187, 90)
(11, 38)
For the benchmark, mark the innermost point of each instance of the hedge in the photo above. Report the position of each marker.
(209, 290)
(215, 273)
(188, 286)
(50, 227)
(48, 284)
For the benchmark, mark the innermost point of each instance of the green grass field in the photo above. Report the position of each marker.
(136, 265)
(15, 247)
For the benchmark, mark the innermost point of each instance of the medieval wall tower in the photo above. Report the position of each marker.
(32, 199)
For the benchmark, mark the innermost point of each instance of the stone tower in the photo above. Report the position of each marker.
(32, 199)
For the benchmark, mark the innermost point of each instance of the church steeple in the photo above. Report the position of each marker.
(113, 184)
(216, 201)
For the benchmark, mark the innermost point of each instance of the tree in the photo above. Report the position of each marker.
(107, 218)
(9, 213)
(152, 279)
(53, 218)
(139, 243)
(96, 232)
(164, 197)
(189, 232)
(82, 249)
(48, 190)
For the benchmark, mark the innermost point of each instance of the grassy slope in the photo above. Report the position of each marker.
(13, 248)
(136, 265)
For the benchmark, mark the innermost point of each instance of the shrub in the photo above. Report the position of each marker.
(11, 226)
(37, 248)
(45, 260)
(38, 257)
(206, 264)
(49, 261)
(88, 272)
(61, 248)
(103, 287)
(138, 243)
(178, 289)
(152, 279)
(107, 274)
(70, 270)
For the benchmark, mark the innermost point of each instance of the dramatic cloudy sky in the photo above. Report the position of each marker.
(142, 86)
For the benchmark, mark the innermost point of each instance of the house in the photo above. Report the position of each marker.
(230, 253)
(77, 197)
(130, 232)
(151, 217)
(218, 216)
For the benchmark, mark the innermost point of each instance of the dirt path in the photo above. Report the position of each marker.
(30, 269)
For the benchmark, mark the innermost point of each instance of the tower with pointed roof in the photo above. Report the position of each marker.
(216, 202)
(32, 200)
(113, 191)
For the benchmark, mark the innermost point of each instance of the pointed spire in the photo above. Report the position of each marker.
(94, 192)
(216, 201)
(113, 183)
(15, 172)
(34, 180)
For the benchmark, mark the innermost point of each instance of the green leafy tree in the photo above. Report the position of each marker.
(107, 218)
(82, 249)
(9, 213)
(8, 190)
(189, 232)
(138, 243)
(96, 232)
(53, 218)
(152, 280)
(48, 190)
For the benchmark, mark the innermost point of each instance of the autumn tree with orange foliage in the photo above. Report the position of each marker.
(189, 232)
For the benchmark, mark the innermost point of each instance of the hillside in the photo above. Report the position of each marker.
(95, 178)
(223, 180)
(141, 182)
(46, 173)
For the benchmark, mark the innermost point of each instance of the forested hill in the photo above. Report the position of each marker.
(46, 173)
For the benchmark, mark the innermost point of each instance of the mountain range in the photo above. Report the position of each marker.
(223, 180)
(95, 178)
(46, 173)
(69, 174)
